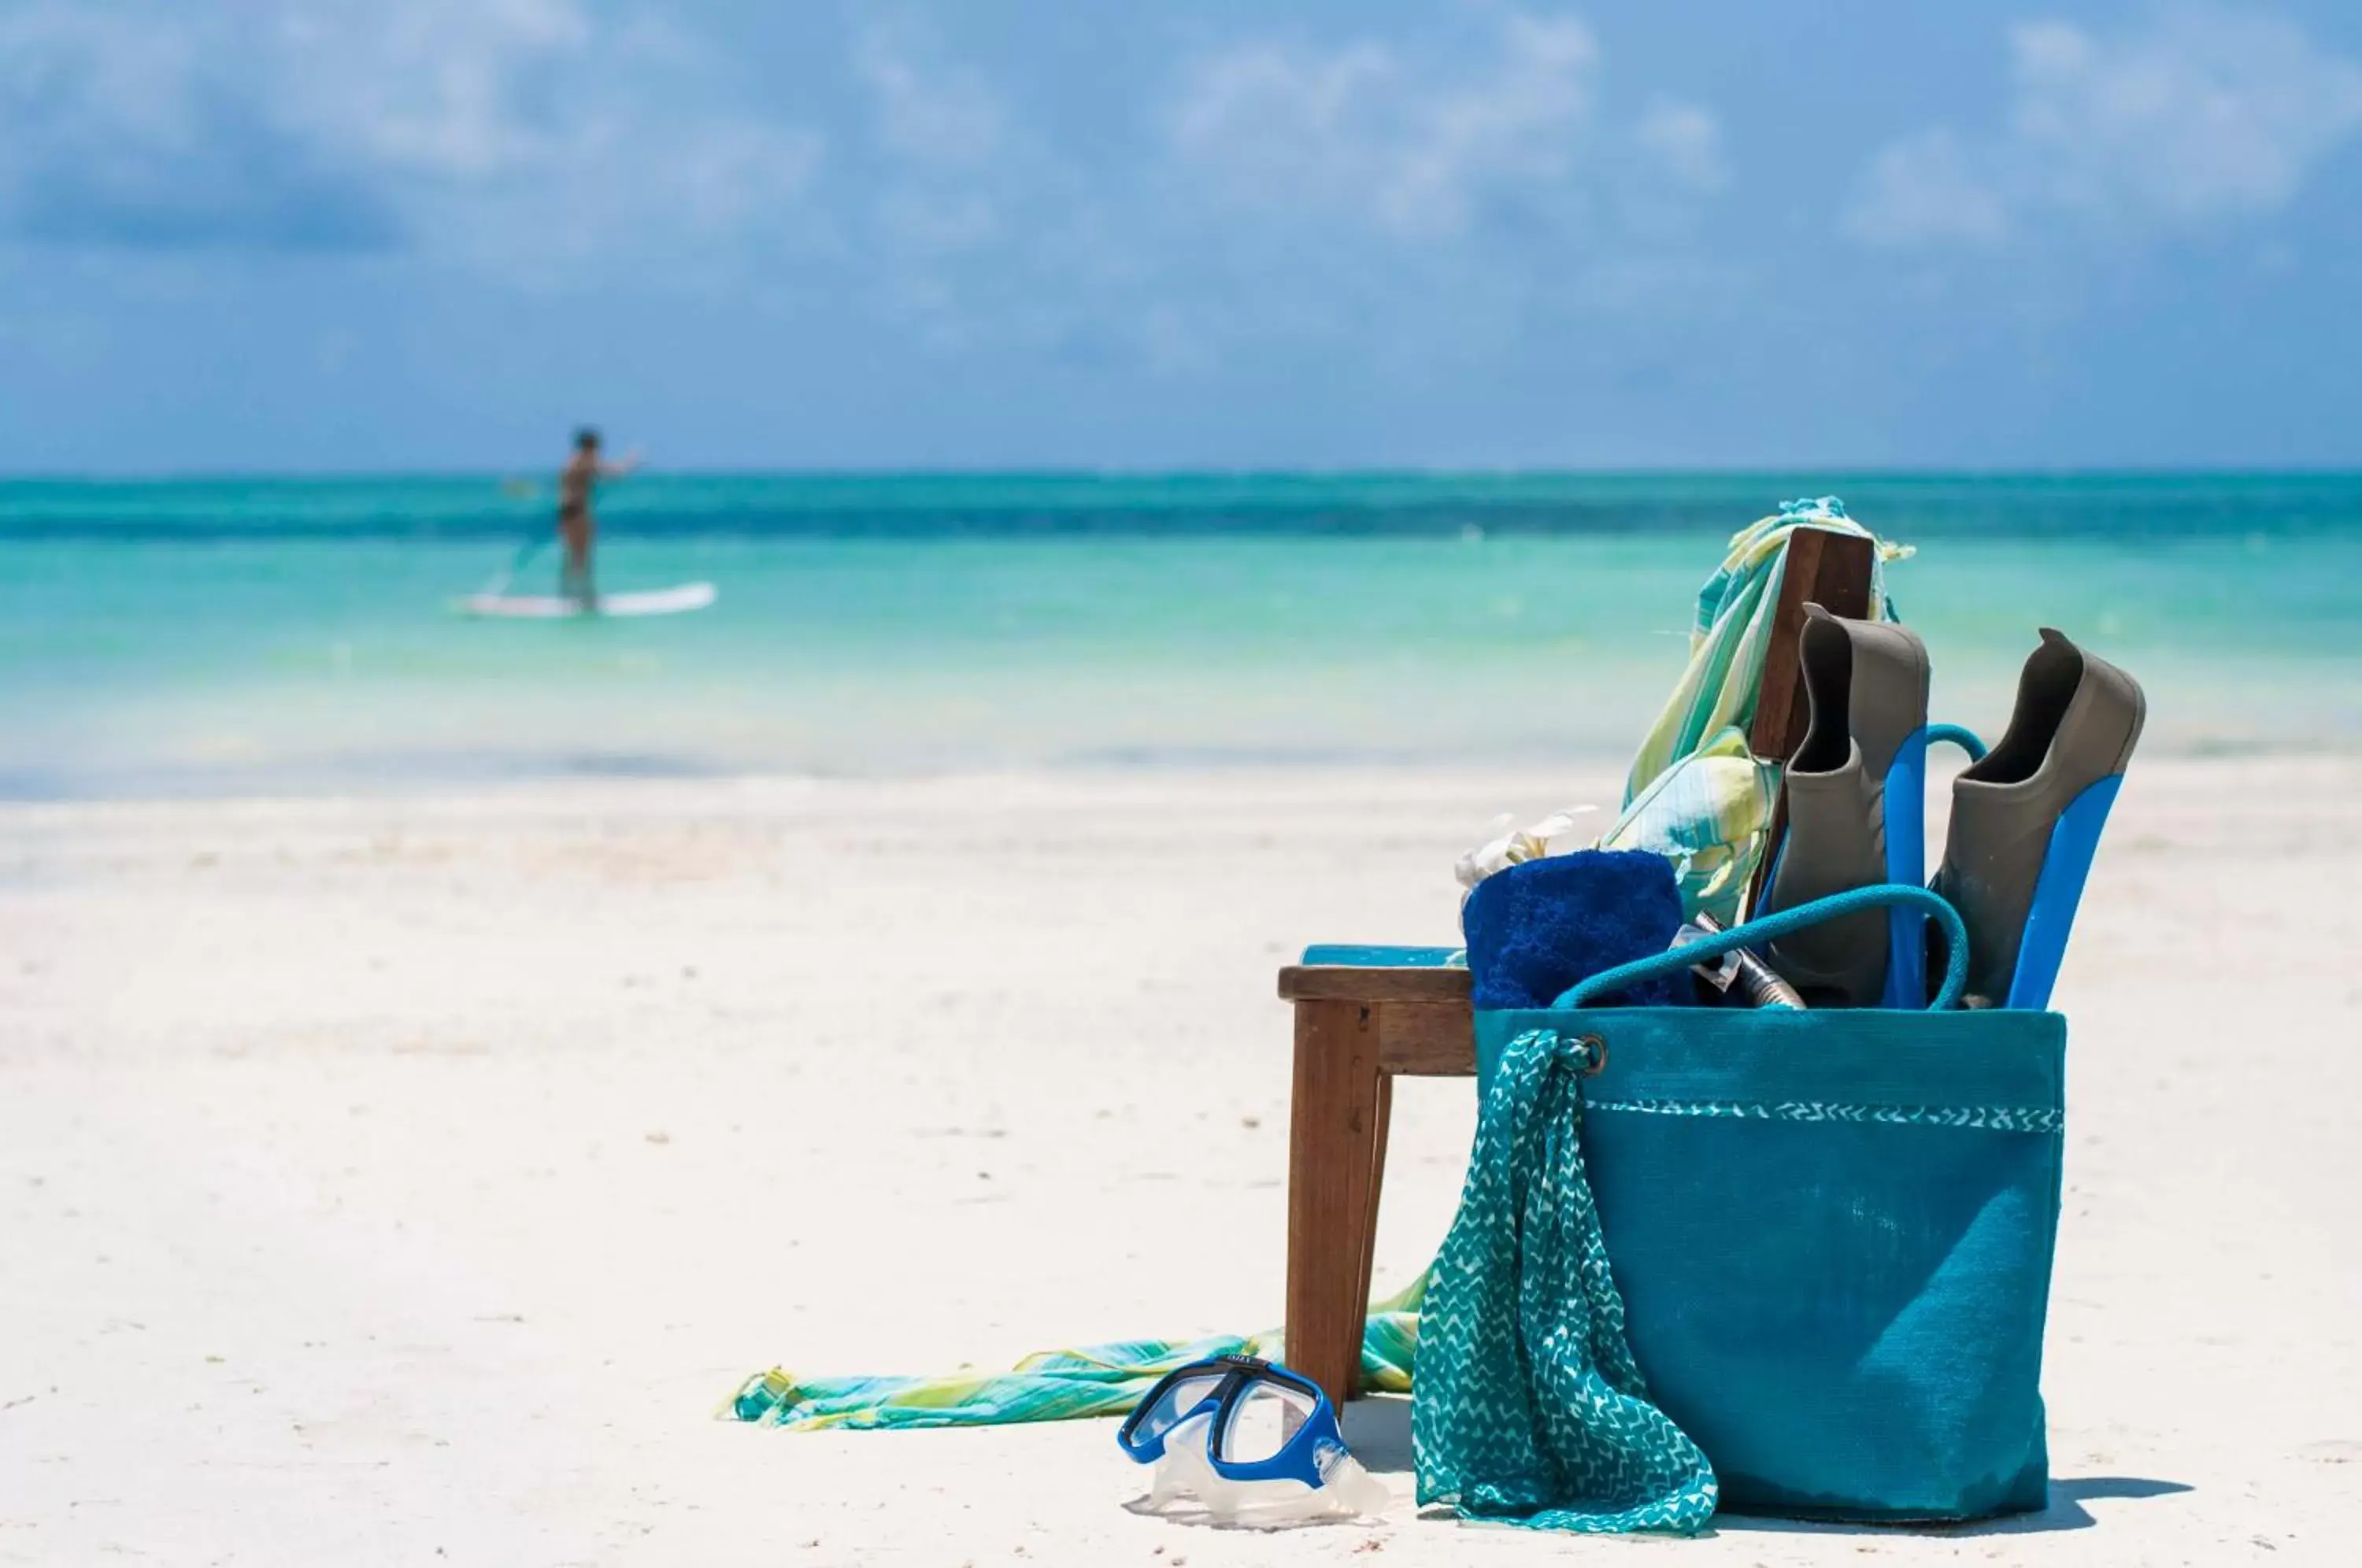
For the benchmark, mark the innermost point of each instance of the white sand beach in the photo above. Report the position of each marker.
(410, 1179)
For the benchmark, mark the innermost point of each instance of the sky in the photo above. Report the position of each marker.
(260, 235)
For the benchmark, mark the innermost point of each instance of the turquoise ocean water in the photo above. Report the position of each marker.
(235, 636)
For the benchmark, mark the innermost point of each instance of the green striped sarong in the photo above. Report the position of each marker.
(1696, 793)
(1056, 1386)
(1733, 629)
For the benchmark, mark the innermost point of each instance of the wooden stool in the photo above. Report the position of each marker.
(1358, 1028)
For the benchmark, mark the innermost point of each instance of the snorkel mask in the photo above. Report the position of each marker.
(1251, 1443)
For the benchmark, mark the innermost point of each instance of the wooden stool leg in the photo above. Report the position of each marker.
(1336, 1132)
(1382, 1119)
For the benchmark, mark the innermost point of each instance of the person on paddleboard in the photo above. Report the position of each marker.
(576, 524)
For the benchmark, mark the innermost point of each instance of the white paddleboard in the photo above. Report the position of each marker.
(548, 607)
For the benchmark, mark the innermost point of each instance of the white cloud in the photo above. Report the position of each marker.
(116, 132)
(441, 90)
(928, 226)
(503, 131)
(2206, 116)
(1361, 130)
(1686, 141)
(938, 200)
(929, 109)
(1923, 191)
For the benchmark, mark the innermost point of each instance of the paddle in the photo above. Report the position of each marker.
(521, 489)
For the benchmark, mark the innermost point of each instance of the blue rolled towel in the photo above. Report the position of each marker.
(1542, 925)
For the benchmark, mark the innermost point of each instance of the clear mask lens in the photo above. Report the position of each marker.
(1173, 1404)
(1261, 1422)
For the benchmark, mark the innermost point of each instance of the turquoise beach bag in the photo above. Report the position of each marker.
(1829, 1234)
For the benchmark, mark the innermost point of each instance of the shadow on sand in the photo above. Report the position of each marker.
(1377, 1428)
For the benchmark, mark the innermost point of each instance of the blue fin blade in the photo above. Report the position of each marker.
(2065, 864)
(1905, 799)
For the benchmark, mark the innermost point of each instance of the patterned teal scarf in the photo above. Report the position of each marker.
(1529, 1407)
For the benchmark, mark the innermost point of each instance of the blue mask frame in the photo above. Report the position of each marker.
(1143, 1434)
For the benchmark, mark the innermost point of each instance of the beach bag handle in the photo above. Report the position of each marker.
(1770, 928)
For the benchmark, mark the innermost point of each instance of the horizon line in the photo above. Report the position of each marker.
(1114, 473)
